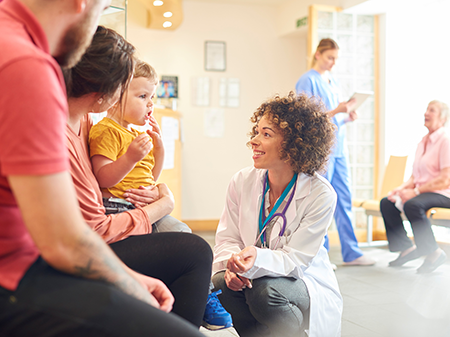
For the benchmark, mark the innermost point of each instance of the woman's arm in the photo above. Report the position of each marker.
(409, 184)
(50, 212)
(344, 107)
(441, 182)
(142, 196)
(109, 172)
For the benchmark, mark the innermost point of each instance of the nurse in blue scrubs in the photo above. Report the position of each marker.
(319, 82)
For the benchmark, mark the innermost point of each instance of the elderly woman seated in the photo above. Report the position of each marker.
(428, 187)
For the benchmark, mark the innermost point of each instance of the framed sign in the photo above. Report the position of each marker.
(215, 56)
(168, 87)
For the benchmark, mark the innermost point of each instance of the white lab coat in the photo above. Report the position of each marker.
(300, 253)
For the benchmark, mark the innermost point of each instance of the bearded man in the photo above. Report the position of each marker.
(57, 277)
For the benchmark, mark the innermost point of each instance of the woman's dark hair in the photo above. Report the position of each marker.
(107, 65)
(307, 130)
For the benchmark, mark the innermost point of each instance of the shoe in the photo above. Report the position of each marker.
(361, 261)
(216, 317)
(428, 267)
(401, 260)
(334, 266)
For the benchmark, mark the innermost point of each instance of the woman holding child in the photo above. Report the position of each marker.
(181, 260)
(270, 262)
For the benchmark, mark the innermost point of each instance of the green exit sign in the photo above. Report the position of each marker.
(302, 22)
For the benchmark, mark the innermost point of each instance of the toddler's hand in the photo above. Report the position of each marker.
(139, 148)
(155, 132)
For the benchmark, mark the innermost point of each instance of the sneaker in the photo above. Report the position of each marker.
(216, 317)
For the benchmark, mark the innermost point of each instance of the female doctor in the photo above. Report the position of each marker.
(270, 262)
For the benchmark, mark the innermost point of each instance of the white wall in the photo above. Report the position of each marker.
(416, 70)
(264, 62)
(289, 12)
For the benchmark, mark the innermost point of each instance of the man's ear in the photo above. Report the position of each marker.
(80, 5)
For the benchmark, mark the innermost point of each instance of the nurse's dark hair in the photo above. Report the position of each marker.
(107, 65)
(307, 130)
(324, 45)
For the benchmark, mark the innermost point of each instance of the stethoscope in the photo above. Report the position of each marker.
(263, 222)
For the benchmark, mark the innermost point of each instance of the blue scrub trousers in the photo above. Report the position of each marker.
(339, 177)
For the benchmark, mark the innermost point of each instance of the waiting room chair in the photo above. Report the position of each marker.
(440, 217)
(393, 177)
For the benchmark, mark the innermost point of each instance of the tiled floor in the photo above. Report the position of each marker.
(387, 302)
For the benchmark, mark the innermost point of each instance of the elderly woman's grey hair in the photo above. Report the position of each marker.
(444, 110)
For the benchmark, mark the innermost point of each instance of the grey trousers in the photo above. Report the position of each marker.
(274, 306)
(170, 224)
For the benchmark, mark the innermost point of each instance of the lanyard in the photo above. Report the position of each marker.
(263, 222)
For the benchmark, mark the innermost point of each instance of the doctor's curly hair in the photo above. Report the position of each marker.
(309, 134)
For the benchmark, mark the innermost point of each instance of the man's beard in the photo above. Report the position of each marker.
(76, 40)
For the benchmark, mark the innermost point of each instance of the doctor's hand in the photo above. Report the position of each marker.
(235, 282)
(243, 261)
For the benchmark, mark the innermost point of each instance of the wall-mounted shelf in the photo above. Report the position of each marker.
(115, 17)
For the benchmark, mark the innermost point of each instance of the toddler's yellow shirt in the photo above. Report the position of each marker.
(109, 139)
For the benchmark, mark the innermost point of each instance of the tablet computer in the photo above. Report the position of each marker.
(360, 98)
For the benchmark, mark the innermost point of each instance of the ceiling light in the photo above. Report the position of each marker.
(168, 14)
(167, 24)
(158, 3)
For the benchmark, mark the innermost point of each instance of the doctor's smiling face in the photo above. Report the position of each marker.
(266, 145)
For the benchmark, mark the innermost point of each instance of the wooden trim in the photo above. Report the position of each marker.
(312, 40)
(202, 225)
(312, 34)
(361, 236)
(327, 8)
(376, 99)
(376, 117)
(211, 226)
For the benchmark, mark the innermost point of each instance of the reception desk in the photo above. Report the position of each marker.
(169, 121)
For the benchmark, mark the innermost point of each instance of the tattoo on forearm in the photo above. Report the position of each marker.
(99, 264)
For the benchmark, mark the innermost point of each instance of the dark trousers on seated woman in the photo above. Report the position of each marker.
(415, 211)
(274, 306)
(182, 261)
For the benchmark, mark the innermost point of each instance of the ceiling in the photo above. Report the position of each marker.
(259, 2)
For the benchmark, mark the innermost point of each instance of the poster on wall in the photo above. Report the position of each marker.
(215, 56)
(229, 92)
(214, 123)
(201, 91)
(168, 87)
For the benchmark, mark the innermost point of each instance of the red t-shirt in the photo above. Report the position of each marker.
(33, 112)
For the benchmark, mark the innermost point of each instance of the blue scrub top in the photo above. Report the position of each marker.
(313, 84)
